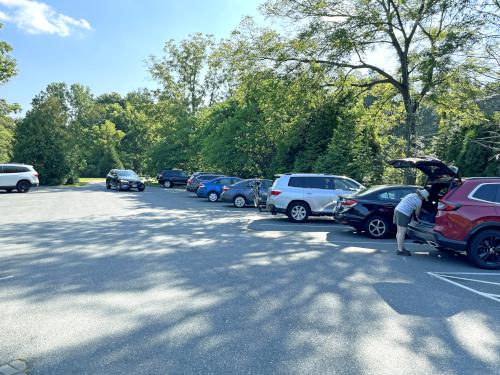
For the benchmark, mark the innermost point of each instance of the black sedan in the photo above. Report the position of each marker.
(242, 193)
(124, 179)
(371, 210)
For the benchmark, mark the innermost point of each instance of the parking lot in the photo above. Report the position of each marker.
(161, 282)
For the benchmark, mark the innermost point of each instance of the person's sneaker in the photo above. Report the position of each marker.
(404, 252)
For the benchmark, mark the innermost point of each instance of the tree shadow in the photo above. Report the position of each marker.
(181, 287)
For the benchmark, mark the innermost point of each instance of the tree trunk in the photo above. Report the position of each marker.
(410, 134)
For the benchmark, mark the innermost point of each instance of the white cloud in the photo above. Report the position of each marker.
(38, 18)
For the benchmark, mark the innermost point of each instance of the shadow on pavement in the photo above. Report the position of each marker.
(181, 287)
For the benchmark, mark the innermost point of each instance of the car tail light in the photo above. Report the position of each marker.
(226, 188)
(201, 185)
(349, 203)
(36, 174)
(275, 192)
(446, 206)
(190, 181)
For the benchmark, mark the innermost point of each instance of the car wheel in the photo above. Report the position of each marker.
(108, 186)
(141, 188)
(120, 187)
(377, 227)
(298, 212)
(167, 184)
(23, 186)
(239, 201)
(484, 250)
(213, 196)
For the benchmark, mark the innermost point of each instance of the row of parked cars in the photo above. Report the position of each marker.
(460, 215)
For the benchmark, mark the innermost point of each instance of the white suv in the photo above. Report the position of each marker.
(20, 177)
(300, 195)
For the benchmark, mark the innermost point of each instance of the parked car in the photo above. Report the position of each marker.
(460, 215)
(124, 179)
(169, 178)
(371, 210)
(241, 193)
(20, 177)
(197, 178)
(213, 189)
(300, 195)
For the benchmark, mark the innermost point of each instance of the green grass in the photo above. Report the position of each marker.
(86, 180)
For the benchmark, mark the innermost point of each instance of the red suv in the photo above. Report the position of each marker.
(460, 215)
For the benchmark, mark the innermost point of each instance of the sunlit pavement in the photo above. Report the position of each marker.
(160, 282)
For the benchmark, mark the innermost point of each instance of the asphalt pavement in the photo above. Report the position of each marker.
(161, 282)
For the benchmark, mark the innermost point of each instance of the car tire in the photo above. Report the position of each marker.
(213, 196)
(377, 227)
(167, 184)
(298, 212)
(239, 201)
(23, 186)
(484, 250)
(120, 187)
(141, 188)
(108, 186)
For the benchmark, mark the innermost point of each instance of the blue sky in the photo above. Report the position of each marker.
(102, 43)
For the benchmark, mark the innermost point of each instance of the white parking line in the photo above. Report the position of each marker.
(445, 276)
(6, 277)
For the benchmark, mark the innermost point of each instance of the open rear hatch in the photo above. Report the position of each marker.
(440, 178)
(433, 168)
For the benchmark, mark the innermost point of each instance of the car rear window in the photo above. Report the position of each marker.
(207, 177)
(486, 192)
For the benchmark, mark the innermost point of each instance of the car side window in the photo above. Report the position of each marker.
(486, 192)
(341, 184)
(300, 182)
(392, 195)
(9, 169)
(224, 181)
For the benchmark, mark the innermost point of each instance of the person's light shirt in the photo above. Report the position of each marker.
(409, 204)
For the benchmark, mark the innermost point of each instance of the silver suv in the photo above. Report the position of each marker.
(20, 177)
(300, 195)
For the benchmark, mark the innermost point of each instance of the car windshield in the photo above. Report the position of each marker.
(127, 173)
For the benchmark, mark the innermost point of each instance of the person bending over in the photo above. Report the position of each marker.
(402, 216)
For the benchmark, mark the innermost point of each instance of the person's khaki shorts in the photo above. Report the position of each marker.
(400, 219)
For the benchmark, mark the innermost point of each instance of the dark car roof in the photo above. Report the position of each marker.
(380, 188)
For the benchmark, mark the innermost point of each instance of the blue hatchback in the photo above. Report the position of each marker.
(213, 189)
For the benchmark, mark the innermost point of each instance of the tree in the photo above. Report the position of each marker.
(40, 140)
(425, 39)
(7, 71)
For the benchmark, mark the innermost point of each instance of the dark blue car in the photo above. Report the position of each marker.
(213, 189)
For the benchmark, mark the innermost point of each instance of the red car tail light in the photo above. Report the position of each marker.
(226, 188)
(446, 206)
(275, 193)
(190, 181)
(349, 203)
(201, 185)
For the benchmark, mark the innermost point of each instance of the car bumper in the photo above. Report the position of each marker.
(345, 218)
(192, 188)
(421, 232)
(272, 208)
(226, 198)
(201, 194)
(446, 243)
